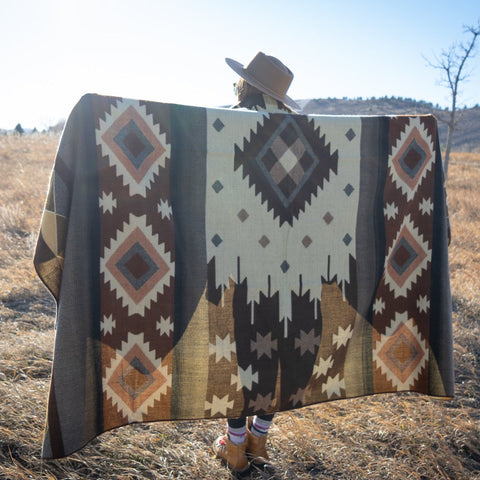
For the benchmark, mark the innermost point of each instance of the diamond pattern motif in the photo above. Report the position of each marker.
(135, 378)
(264, 241)
(217, 186)
(136, 266)
(242, 215)
(218, 125)
(291, 161)
(134, 145)
(350, 134)
(328, 217)
(401, 353)
(306, 241)
(411, 158)
(348, 189)
(217, 240)
(286, 166)
(403, 256)
(347, 239)
(285, 266)
(406, 259)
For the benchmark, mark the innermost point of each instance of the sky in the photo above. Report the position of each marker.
(54, 51)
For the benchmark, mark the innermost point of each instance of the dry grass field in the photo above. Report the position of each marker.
(394, 437)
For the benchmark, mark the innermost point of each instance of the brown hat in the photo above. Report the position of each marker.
(269, 75)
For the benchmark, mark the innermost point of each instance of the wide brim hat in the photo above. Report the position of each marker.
(268, 74)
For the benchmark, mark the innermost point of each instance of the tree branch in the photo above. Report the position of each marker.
(451, 64)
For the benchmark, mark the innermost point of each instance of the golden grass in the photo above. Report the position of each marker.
(464, 208)
(394, 437)
(25, 165)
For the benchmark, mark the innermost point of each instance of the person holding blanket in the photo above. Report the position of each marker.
(262, 86)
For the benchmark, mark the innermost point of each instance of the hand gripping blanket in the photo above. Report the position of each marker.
(218, 263)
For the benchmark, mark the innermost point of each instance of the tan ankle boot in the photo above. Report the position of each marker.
(234, 455)
(256, 448)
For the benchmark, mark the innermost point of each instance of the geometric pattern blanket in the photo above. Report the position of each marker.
(213, 262)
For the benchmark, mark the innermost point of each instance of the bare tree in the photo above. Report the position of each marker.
(452, 66)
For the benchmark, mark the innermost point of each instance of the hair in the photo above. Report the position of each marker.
(245, 89)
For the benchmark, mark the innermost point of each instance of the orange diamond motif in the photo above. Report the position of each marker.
(135, 379)
(402, 353)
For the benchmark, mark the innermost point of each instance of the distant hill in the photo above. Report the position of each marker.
(466, 137)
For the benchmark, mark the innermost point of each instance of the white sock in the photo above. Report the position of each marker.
(260, 426)
(237, 435)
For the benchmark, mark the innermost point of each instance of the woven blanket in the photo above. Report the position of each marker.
(219, 263)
